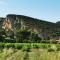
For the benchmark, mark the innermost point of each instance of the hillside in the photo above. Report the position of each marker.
(44, 29)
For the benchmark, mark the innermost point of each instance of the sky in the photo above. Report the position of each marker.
(48, 10)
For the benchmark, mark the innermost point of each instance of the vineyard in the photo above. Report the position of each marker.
(29, 51)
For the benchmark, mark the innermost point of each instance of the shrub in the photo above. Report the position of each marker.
(49, 45)
(44, 46)
(2, 45)
(58, 47)
(52, 48)
(18, 46)
(26, 48)
(35, 46)
(9, 45)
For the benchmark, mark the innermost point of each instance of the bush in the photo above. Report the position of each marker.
(58, 47)
(18, 46)
(2, 45)
(49, 45)
(9, 45)
(44, 46)
(26, 48)
(35, 46)
(52, 48)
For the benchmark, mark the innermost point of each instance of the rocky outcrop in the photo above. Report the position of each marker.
(14, 22)
(7, 25)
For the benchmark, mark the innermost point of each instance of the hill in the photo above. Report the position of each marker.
(44, 29)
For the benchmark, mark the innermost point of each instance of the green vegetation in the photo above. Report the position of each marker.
(21, 36)
(26, 38)
(29, 51)
(28, 46)
(24, 29)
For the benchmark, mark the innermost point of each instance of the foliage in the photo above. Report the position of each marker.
(26, 46)
(18, 46)
(29, 51)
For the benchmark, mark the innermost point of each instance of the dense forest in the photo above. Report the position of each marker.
(21, 29)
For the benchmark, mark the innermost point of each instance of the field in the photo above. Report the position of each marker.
(29, 51)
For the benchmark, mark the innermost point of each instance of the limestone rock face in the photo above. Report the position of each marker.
(7, 25)
(14, 22)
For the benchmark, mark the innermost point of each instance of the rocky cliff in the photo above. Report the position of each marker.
(14, 22)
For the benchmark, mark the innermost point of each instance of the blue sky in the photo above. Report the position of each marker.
(48, 10)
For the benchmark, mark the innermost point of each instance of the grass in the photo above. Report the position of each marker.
(16, 56)
(6, 53)
(27, 51)
(44, 55)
